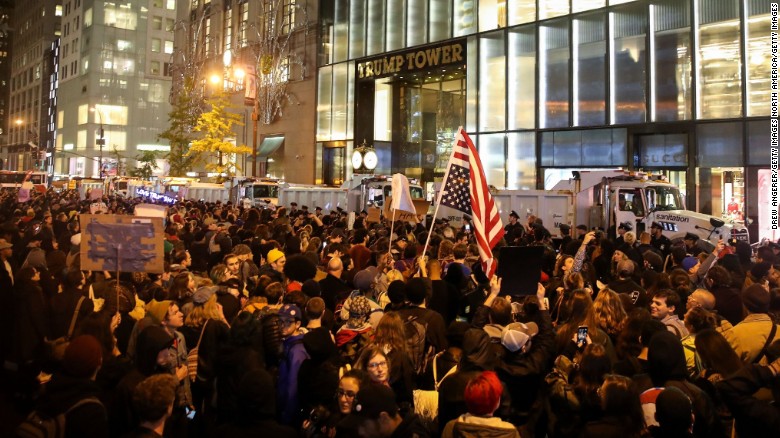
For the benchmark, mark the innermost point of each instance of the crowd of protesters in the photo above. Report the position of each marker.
(291, 321)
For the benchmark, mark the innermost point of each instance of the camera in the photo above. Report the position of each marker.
(318, 420)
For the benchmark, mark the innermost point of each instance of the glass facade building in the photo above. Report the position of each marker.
(547, 86)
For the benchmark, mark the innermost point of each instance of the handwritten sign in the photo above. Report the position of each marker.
(124, 243)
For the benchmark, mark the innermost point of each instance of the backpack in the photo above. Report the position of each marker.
(40, 426)
(419, 352)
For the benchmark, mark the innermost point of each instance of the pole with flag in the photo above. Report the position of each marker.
(466, 190)
(402, 201)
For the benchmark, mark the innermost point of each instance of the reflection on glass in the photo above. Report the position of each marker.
(521, 11)
(357, 30)
(586, 5)
(376, 25)
(720, 82)
(492, 93)
(440, 20)
(671, 63)
(629, 26)
(589, 70)
(395, 25)
(719, 144)
(416, 23)
(492, 14)
(758, 57)
(553, 8)
(340, 106)
(465, 17)
(522, 86)
(324, 85)
(472, 86)
(491, 152)
(340, 30)
(520, 163)
(383, 111)
(554, 74)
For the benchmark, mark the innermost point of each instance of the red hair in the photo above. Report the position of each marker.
(483, 393)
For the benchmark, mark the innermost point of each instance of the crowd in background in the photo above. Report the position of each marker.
(291, 321)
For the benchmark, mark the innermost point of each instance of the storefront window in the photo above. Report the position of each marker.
(722, 192)
(492, 14)
(324, 86)
(591, 148)
(553, 8)
(357, 30)
(554, 74)
(758, 57)
(416, 23)
(589, 53)
(522, 67)
(395, 25)
(628, 76)
(340, 30)
(440, 20)
(375, 27)
(491, 152)
(521, 161)
(492, 93)
(465, 17)
(586, 5)
(719, 79)
(670, 67)
(719, 144)
(521, 11)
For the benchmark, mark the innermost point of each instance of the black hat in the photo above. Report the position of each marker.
(691, 236)
(514, 214)
(294, 204)
(626, 226)
(656, 225)
(339, 209)
(582, 227)
(304, 207)
(363, 211)
(318, 208)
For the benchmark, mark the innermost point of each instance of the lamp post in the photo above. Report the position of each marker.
(100, 141)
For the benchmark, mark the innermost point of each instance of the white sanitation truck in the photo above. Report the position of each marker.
(608, 198)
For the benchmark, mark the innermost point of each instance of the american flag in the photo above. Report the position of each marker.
(466, 189)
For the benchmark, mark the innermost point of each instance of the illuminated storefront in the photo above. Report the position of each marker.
(679, 87)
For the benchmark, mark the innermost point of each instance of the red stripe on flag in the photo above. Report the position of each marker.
(488, 228)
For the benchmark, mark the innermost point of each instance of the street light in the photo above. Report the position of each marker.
(100, 141)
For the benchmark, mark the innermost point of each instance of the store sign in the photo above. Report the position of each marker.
(451, 53)
(654, 156)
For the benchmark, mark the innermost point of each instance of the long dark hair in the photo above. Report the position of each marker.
(716, 353)
(595, 364)
(620, 398)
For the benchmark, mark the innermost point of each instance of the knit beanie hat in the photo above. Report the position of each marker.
(756, 299)
(83, 356)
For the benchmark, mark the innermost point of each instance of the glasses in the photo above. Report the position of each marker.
(348, 394)
(373, 365)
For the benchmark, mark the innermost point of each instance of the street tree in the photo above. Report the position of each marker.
(147, 164)
(214, 143)
(186, 106)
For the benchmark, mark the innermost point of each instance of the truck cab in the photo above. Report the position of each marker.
(260, 192)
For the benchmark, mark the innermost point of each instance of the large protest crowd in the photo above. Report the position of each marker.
(291, 321)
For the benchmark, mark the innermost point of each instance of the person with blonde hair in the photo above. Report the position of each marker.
(610, 314)
(205, 328)
(390, 336)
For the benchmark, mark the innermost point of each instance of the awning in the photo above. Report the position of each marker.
(269, 146)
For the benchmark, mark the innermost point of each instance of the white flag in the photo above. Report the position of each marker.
(402, 197)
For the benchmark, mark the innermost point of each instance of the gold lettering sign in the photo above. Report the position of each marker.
(437, 56)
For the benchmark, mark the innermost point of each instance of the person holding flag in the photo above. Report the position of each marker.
(465, 189)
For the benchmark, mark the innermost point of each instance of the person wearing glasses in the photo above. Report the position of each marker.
(376, 363)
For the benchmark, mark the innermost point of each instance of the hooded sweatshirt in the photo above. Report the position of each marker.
(470, 426)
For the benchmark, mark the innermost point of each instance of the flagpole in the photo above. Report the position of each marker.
(392, 229)
(438, 200)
